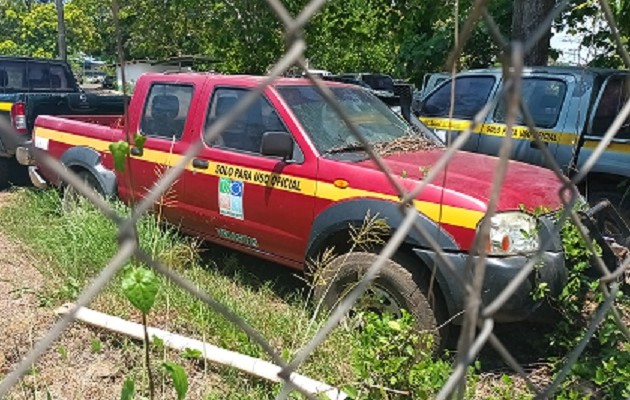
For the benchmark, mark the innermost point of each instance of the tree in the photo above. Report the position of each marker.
(527, 18)
(427, 35)
(353, 36)
(31, 29)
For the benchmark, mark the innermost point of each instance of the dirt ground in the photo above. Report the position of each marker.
(72, 368)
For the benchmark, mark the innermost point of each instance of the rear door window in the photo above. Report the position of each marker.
(471, 94)
(246, 132)
(615, 95)
(166, 110)
(543, 98)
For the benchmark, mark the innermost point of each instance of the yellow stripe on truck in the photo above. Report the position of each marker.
(450, 215)
(519, 132)
(499, 130)
(4, 106)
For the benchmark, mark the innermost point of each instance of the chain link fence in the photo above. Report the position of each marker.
(478, 322)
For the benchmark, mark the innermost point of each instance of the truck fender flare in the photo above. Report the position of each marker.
(90, 160)
(342, 215)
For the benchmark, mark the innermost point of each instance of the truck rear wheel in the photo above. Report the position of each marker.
(619, 201)
(71, 196)
(395, 288)
(4, 172)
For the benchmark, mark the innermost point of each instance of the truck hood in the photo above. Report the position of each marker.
(471, 174)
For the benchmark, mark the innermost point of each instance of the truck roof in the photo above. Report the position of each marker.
(38, 59)
(553, 69)
(247, 80)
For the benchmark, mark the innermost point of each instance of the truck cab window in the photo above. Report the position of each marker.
(245, 133)
(543, 98)
(614, 96)
(471, 94)
(166, 110)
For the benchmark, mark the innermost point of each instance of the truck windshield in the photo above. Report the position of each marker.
(371, 116)
(33, 76)
(471, 94)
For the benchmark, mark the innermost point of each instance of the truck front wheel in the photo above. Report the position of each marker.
(395, 287)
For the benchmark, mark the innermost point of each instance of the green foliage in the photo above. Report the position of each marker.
(63, 352)
(139, 141)
(191, 354)
(158, 343)
(582, 19)
(96, 345)
(179, 377)
(32, 30)
(128, 390)
(392, 360)
(75, 245)
(606, 360)
(120, 150)
(140, 286)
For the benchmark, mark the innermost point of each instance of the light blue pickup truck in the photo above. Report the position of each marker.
(572, 108)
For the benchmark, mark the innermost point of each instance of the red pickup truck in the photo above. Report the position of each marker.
(287, 180)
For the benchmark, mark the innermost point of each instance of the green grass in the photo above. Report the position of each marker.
(73, 246)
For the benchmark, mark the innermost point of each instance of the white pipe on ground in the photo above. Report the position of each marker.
(251, 365)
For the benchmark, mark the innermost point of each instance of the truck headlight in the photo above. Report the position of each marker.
(512, 233)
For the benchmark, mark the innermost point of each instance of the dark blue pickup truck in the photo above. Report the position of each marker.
(35, 86)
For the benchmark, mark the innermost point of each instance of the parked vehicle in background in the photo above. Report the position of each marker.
(397, 96)
(290, 151)
(319, 72)
(382, 84)
(109, 82)
(33, 86)
(429, 82)
(572, 108)
(91, 77)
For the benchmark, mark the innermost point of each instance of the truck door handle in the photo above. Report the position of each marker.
(200, 164)
(136, 151)
(534, 145)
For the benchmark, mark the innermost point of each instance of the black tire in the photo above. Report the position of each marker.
(18, 174)
(618, 200)
(5, 165)
(71, 197)
(408, 290)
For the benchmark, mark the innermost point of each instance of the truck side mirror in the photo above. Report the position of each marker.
(277, 144)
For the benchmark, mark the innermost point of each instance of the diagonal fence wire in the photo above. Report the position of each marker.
(478, 322)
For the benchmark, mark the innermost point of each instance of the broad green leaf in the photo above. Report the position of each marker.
(394, 325)
(140, 286)
(351, 391)
(128, 390)
(120, 151)
(179, 376)
(139, 140)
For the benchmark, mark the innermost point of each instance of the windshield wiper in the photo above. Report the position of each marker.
(356, 146)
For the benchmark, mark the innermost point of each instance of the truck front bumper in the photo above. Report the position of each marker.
(500, 271)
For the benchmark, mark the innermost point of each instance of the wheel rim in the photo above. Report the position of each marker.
(379, 300)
